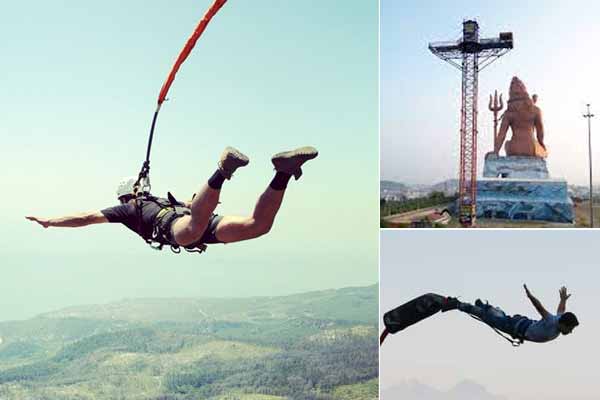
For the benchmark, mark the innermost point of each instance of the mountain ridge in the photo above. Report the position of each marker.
(415, 390)
(226, 306)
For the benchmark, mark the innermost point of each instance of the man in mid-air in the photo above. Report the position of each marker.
(193, 224)
(548, 328)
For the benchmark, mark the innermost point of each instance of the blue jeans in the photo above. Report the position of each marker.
(515, 325)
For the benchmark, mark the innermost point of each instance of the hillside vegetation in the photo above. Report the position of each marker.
(319, 345)
(392, 207)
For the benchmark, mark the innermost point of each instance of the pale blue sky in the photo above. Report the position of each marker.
(79, 86)
(420, 94)
(492, 265)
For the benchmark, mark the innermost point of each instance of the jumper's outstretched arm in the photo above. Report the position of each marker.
(71, 221)
(564, 296)
(536, 303)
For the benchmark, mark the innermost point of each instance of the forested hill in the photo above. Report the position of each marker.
(351, 304)
(318, 345)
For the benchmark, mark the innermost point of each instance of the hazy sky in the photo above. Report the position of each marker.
(420, 94)
(79, 86)
(492, 265)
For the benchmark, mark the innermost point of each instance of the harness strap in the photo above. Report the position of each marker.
(170, 210)
(514, 341)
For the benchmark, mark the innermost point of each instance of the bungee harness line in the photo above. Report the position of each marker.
(515, 342)
(423, 307)
(143, 181)
(383, 335)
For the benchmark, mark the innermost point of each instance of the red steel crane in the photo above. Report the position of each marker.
(470, 54)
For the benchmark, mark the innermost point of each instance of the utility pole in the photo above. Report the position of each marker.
(589, 118)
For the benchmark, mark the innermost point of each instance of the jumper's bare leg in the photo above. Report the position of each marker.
(234, 229)
(287, 164)
(190, 228)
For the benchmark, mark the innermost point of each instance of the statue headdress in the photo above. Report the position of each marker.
(518, 98)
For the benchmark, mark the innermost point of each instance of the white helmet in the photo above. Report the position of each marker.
(126, 186)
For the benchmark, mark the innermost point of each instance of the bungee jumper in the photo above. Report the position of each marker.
(192, 224)
(516, 328)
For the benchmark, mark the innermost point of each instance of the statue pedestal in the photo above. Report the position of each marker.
(520, 188)
(520, 167)
(524, 199)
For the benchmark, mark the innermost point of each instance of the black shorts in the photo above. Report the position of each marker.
(210, 234)
(208, 237)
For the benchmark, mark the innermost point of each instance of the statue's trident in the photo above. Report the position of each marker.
(495, 107)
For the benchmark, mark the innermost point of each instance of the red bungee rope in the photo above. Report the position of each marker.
(191, 42)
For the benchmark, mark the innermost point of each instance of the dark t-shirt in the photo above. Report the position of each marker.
(128, 215)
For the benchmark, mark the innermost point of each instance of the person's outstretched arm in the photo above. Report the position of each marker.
(536, 303)
(564, 296)
(72, 221)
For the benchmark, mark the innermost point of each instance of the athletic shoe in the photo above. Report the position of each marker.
(450, 303)
(290, 162)
(231, 159)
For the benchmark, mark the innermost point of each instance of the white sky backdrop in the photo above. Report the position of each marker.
(555, 55)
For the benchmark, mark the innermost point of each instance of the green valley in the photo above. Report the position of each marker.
(319, 345)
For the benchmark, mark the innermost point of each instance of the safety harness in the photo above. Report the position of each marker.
(170, 210)
(515, 340)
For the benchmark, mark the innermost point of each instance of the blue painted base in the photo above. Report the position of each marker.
(524, 199)
(515, 167)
